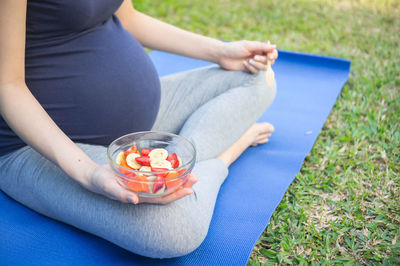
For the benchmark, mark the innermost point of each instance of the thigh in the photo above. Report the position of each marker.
(220, 122)
(185, 92)
(150, 230)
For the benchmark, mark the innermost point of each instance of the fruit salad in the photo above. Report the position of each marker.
(147, 164)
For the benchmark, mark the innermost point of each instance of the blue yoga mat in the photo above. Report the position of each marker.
(308, 86)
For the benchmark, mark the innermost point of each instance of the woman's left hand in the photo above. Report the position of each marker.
(250, 56)
(185, 190)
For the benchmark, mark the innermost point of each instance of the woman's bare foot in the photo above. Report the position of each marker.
(258, 133)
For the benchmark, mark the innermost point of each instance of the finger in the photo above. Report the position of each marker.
(262, 138)
(180, 193)
(275, 53)
(190, 181)
(263, 141)
(260, 58)
(256, 143)
(259, 47)
(270, 56)
(115, 191)
(250, 68)
(258, 65)
(273, 56)
(185, 190)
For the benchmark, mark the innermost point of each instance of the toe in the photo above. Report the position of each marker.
(261, 139)
(271, 128)
(265, 127)
(258, 142)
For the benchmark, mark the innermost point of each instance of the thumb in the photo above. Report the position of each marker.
(259, 47)
(115, 191)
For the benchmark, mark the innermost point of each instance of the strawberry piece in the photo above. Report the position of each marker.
(132, 149)
(130, 174)
(145, 152)
(173, 159)
(160, 170)
(143, 160)
(158, 184)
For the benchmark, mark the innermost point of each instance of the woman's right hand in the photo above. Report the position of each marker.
(104, 181)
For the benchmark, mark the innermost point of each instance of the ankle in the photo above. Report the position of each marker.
(225, 158)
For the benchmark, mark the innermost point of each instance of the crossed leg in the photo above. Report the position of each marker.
(219, 113)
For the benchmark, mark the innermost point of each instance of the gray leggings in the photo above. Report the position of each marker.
(210, 106)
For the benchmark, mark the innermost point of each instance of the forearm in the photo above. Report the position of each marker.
(30, 121)
(158, 35)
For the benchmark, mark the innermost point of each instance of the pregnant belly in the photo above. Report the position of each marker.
(96, 86)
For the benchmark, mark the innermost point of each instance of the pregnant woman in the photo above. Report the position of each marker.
(74, 77)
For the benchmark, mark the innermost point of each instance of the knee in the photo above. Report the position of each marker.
(173, 235)
(182, 241)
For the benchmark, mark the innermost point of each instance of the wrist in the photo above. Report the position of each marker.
(216, 51)
(81, 169)
(88, 168)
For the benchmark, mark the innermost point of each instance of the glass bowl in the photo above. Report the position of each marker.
(152, 181)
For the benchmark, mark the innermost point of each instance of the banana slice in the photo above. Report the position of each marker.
(145, 168)
(120, 158)
(158, 154)
(161, 164)
(151, 178)
(130, 160)
(180, 161)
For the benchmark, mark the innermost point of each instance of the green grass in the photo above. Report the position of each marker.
(344, 205)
